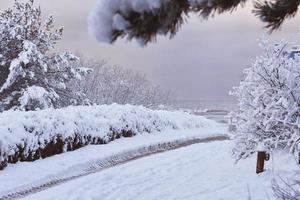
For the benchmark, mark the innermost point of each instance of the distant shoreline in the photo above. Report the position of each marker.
(201, 100)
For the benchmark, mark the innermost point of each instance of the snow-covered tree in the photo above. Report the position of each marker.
(269, 101)
(113, 84)
(31, 76)
(145, 19)
(286, 190)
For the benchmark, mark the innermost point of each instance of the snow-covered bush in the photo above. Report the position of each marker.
(112, 84)
(39, 134)
(269, 101)
(31, 77)
(286, 190)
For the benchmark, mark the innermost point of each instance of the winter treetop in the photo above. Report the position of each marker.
(268, 101)
(31, 75)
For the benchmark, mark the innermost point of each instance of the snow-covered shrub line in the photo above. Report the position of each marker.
(28, 136)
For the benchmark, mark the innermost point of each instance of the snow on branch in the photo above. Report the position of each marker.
(269, 101)
(144, 20)
(113, 84)
(27, 64)
(140, 19)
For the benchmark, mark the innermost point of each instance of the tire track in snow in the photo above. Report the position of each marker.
(102, 164)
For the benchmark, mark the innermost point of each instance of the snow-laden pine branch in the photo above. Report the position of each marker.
(144, 20)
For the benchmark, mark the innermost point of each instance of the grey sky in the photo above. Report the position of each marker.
(203, 61)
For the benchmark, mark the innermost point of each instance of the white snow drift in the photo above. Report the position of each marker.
(197, 172)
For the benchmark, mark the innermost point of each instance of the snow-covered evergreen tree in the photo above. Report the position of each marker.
(31, 77)
(269, 102)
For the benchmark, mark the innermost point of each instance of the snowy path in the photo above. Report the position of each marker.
(201, 171)
(27, 177)
(102, 164)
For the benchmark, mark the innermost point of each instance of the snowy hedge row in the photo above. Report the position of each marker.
(27, 136)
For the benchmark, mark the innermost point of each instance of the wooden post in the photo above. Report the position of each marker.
(262, 156)
(298, 150)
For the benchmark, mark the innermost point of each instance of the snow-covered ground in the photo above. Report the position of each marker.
(202, 171)
(25, 174)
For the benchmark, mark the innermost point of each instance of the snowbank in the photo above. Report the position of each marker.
(28, 136)
(197, 172)
(19, 179)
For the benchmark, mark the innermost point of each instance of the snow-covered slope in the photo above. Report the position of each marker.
(197, 172)
(26, 175)
(28, 136)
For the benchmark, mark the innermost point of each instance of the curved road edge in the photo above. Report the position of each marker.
(102, 164)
